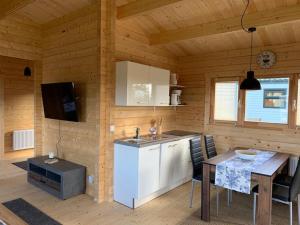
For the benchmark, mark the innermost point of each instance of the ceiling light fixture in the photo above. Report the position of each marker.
(249, 83)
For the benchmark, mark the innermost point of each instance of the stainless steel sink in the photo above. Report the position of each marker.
(135, 140)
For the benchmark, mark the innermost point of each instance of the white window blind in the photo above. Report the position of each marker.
(226, 101)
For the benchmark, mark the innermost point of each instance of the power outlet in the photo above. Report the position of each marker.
(91, 179)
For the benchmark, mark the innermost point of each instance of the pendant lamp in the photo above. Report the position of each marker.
(250, 82)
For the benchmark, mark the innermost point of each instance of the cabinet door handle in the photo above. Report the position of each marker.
(152, 149)
(170, 146)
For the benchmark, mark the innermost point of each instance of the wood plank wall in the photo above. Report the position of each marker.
(1, 116)
(133, 46)
(18, 97)
(196, 73)
(20, 38)
(70, 53)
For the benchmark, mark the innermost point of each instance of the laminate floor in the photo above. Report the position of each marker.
(169, 209)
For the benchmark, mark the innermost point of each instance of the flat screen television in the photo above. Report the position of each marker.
(59, 101)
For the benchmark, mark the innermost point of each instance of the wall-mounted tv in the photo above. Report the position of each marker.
(59, 101)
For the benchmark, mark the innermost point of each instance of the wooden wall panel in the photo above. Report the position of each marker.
(20, 38)
(196, 74)
(18, 97)
(128, 45)
(70, 53)
(38, 108)
(135, 47)
(1, 116)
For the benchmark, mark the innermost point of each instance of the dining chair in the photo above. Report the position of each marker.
(285, 190)
(197, 162)
(211, 151)
(210, 146)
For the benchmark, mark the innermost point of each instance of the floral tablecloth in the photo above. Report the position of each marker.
(235, 173)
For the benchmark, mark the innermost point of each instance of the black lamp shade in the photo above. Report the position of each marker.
(27, 72)
(250, 83)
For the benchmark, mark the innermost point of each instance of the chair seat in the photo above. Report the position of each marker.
(284, 180)
(279, 192)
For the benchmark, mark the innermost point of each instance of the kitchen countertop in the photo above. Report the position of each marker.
(165, 137)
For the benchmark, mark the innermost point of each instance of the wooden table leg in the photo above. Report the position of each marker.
(264, 200)
(205, 195)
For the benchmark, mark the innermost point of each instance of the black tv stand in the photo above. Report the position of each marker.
(62, 179)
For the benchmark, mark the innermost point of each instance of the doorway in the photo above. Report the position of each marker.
(17, 108)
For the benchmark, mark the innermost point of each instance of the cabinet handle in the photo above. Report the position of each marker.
(170, 146)
(152, 149)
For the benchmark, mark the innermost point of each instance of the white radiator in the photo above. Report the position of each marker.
(293, 165)
(23, 139)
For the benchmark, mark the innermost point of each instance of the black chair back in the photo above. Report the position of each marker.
(295, 185)
(197, 157)
(210, 146)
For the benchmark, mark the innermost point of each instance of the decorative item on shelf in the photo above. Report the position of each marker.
(175, 97)
(266, 59)
(250, 83)
(173, 79)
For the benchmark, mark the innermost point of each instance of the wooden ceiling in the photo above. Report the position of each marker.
(189, 27)
(188, 13)
(43, 11)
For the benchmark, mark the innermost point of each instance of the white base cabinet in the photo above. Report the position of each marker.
(142, 174)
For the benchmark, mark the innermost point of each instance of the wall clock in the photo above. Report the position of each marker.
(266, 59)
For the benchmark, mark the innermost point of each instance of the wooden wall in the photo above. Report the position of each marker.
(196, 73)
(20, 38)
(133, 46)
(70, 53)
(1, 116)
(18, 97)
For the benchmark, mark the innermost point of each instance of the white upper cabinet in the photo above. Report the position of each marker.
(160, 79)
(141, 85)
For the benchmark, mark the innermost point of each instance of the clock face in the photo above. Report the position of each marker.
(266, 59)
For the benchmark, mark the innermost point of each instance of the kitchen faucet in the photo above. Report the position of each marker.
(137, 133)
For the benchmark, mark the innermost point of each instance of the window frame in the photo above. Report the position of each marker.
(292, 111)
(212, 101)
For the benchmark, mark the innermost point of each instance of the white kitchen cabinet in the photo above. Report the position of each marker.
(160, 79)
(133, 85)
(175, 162)
(141, 85)
(148, 181)
(136, 173)
(142, 174)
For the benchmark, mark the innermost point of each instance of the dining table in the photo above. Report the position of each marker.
(264, 174)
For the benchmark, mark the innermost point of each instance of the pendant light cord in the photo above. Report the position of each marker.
(243, 15)
(251, 54)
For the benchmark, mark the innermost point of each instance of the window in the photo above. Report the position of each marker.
(275, 98)
(270, 104)
(226, 101)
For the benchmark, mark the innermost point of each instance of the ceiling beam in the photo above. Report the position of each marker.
(141, 6)
(257, 19)
(8, 7)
